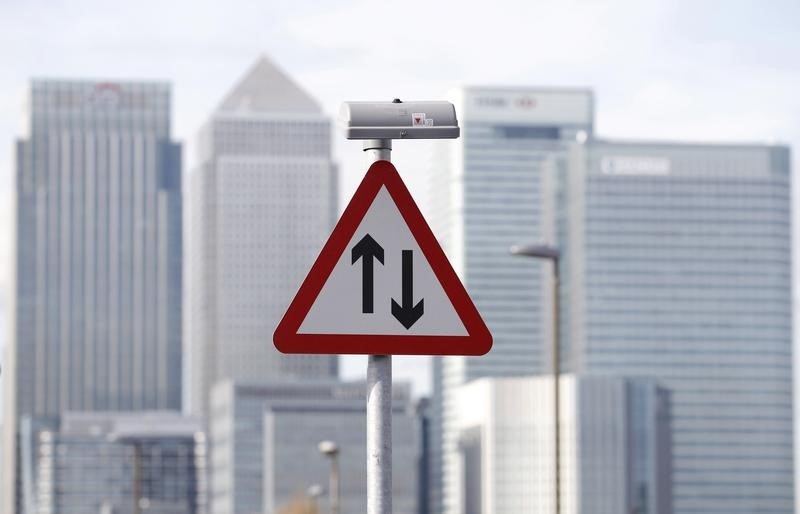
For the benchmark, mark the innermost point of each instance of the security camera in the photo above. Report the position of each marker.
(399, 120)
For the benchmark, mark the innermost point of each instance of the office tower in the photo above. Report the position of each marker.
(108, 463)
(679, 260)
(97, 303)
(264, 441)
(490, 189)
(675, 266)
(263, 201)
(423, 407)
(615, 446)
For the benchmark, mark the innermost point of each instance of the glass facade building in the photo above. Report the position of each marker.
(97, 303)
(264, 439)
(679, 260)
(676, 266)
(615, 446)
(109, 463)
(491, 189)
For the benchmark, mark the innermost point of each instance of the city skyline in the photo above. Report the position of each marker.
(574, 123)
(674, 265)
(679, 179)
(713, 77)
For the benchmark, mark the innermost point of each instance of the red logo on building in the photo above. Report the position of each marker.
(526, 102)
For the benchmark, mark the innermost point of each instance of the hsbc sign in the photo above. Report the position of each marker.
(532, 106)
(525, 102)
(496, 102)
(491, 101)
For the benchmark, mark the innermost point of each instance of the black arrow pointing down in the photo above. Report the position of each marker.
(409, 313)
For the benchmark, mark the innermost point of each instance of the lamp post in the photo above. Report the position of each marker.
(552, 254)
(331, 450)
(313, 493)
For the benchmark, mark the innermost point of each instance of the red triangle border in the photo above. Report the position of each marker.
(478, 340)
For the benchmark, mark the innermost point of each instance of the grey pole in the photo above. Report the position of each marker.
(553, 254)
(334, 484)
(331, 450)
(378, 150)
(313, 493)
(557, 380)
(379, 398)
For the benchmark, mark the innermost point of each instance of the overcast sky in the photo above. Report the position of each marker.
(680, 70)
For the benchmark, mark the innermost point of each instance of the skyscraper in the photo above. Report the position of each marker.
(97, 303)
(491, 189)
(678, 258)
(263, 200)
(676, 266)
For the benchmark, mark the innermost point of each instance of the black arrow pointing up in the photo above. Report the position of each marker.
(367, 249)
(409, 313)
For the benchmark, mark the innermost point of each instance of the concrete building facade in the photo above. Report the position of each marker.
(263, 201)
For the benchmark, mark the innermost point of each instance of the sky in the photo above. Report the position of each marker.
(676, 70)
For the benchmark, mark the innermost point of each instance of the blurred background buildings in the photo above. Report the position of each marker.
(676, 323)
(97, 325)
(111, 462)
(491, 189)
(262, 203)
(675, 265)
(264, 439)
(615, 446)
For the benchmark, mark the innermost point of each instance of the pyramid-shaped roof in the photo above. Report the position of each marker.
(266, 88)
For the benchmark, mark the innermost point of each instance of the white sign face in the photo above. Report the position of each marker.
(383, 284)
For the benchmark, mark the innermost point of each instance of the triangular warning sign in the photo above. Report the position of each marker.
(382, 284)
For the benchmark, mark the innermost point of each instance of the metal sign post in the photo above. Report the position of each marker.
(382, 284)
(379, 397)
(379, 434)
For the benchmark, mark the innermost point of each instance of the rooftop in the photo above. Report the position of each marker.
(267, 88)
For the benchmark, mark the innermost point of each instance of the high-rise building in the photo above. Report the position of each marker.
(676, 266)
(264, 441)
(97, 298)
(615, 446)
(678, 258)
(490, 190)
(108, 463)
(262, 203)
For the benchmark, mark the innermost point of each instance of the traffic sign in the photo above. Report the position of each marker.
(382, 284)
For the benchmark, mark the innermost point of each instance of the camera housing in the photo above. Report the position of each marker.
(399, 120)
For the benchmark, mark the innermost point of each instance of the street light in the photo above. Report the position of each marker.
(539, 251)
(331, 450)
(314, 492)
